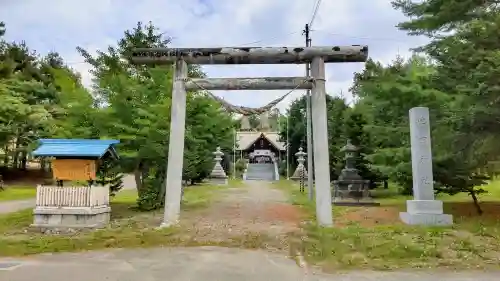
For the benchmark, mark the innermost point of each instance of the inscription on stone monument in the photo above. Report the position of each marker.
(421, 154)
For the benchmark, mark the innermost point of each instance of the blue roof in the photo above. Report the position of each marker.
(75, 148)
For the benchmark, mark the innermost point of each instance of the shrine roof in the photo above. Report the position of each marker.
(88, 148)
(246, 138)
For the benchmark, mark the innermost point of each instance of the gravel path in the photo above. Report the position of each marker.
(16, 205)
(256, 209)
(202, 263)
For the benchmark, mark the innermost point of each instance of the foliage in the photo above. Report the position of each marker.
(343, 123)
(240, 167)
(137, 113)
(466, 62)
(108, 175)
(386, 94)
(40, 97)
(354, 129)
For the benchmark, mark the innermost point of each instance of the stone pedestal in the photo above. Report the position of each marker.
(218, 176)
(424, 209)
(352, 193)
(70, 218)
(425, 212)
(65, 208)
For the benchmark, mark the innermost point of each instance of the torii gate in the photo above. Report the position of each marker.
(317, 56)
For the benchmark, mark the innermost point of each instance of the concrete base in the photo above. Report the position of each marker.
(70, 217)
(167, 225)
(354, 203)
(219, 181)
(425, 212)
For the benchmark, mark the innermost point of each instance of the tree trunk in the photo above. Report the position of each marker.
(24, 160)
(43, 165)
(6, 156)
(138, 179)
(476, 202)
(162, 192)
(15, 161)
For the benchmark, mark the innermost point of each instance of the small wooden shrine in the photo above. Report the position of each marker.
(75, 201)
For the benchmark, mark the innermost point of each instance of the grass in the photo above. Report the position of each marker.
(11, 193)
(369, 238)
(374, 237)
(128, 228)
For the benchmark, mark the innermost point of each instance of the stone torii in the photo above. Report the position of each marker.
(317, 56)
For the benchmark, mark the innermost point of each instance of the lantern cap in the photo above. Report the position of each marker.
(349, 147)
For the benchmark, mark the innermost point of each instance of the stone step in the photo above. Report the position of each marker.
(260, 172)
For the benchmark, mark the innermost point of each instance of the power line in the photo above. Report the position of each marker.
(360, 37)
(315, 12)
(272, 38)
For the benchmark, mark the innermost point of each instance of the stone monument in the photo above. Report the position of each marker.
(300, 171)
(218, 176)
(423, 209)
(350, 189)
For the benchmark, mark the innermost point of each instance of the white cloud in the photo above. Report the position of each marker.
(61, 25)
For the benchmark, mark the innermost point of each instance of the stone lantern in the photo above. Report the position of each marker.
(300, 171)
(350, 189)
(218, 176)
(350, 172)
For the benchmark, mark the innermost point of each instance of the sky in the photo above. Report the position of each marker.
(62, 25)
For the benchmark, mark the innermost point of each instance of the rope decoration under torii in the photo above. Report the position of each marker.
(243, 110)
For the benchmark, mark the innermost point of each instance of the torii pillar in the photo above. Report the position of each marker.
(317, 56)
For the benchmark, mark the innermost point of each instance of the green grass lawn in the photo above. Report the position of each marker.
(362, 237)
(128, 228)
(17, 193)
(375, 238)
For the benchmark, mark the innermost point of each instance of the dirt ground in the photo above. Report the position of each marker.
(370, 216)
(389, 215)
(256, 211)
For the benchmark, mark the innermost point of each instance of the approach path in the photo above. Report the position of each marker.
(256, 209)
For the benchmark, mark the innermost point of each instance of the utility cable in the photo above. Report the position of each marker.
(315, 12)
